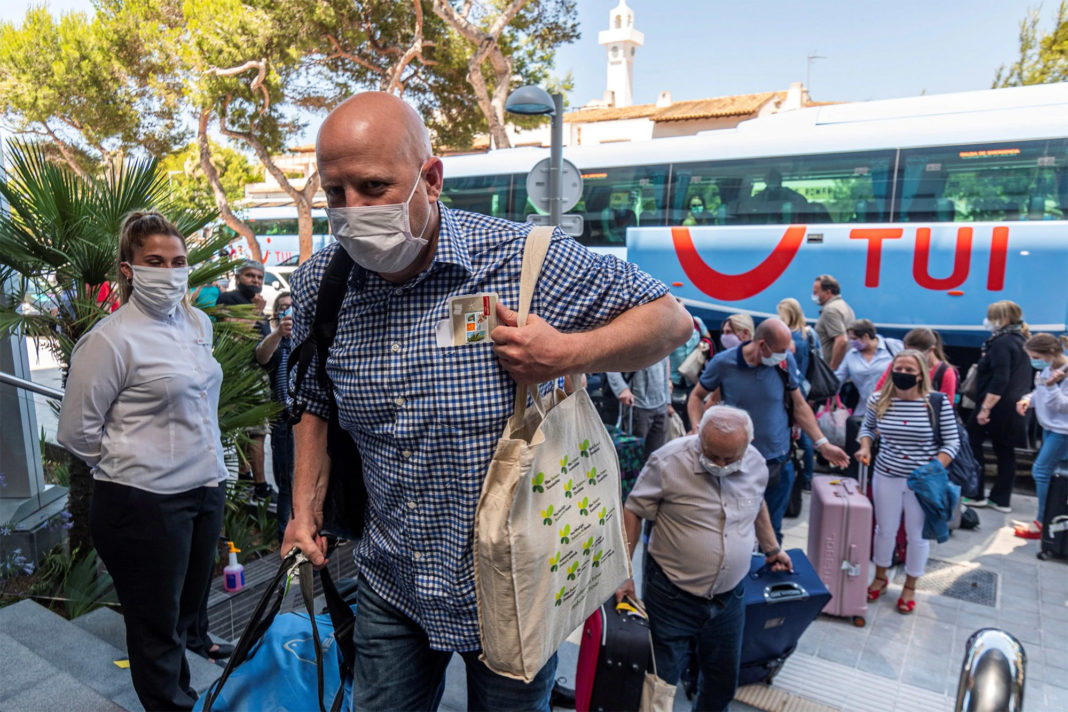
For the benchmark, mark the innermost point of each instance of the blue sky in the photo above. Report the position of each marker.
(701, 48)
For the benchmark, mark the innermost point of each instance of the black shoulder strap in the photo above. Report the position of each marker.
(935, 414)
(787, 399)
(324, 325)
(939, 374)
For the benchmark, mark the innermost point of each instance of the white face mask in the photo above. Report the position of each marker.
(379, 237)
(815, 298)
(159, 290)
(774, 360)
(989, 325)
(719, 470)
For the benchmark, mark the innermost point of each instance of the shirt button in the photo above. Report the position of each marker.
(399, 401)
(395, 348)
(406, 454)
(412, 505)
(417, 555)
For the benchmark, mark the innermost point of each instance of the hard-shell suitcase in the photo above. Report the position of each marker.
(839, 542)
(779, 606)
(613, 658)
(1055, 518)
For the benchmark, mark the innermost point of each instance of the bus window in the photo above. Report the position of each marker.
(1025, 180)
(614, 199)
(839, 188)
(478, 194)
(268, 227)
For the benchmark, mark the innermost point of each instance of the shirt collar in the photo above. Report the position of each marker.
(451, 247)
(740, 357)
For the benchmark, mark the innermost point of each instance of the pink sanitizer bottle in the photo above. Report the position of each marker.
(234, 573)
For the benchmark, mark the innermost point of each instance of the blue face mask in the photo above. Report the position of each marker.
(1038, 364)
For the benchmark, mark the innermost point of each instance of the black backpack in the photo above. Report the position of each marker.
(964, 470)
(344, 508)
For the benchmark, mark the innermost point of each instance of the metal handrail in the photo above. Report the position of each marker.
(25, 385)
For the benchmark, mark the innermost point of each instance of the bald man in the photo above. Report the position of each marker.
(426, 414)
(751, 377)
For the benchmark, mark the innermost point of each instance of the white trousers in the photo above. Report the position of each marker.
(892, 495)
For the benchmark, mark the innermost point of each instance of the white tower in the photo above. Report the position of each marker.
(620, 40)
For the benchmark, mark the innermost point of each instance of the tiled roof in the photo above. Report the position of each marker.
(716, 107)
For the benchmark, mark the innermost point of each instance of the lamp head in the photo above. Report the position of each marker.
(530, 100)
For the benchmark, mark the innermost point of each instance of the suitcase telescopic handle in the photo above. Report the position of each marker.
(787, 591)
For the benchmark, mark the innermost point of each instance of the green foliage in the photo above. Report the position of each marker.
(190, 187)
(66, 79)
(1043, 57)
(78, 582)
(253, 532)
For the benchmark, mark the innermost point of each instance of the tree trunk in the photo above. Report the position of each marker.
(221, 201)
(304, 200)
(79, 500)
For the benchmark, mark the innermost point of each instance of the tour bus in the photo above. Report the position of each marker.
(276, 232)
(925, 209)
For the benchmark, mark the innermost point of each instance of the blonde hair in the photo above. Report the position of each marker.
(889, 391)
(1006, 313)
(790, 312)
(137, 227)
(741, 322)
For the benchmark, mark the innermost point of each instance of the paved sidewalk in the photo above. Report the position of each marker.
(912, 662)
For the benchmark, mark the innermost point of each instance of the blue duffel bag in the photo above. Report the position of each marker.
(292, 661)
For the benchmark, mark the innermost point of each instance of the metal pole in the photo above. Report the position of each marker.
(30, 386)
(556, 158)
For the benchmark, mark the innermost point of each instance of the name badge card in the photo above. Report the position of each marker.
(472, 318)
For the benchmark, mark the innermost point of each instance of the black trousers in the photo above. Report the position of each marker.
(160, 551)
(1004, 452)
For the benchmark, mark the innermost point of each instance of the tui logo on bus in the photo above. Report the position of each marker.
(735, 287)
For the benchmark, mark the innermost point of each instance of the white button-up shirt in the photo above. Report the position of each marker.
(865, 374)
(704, 534)
(142, 399)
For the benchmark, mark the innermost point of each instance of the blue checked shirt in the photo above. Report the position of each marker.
(427, 419)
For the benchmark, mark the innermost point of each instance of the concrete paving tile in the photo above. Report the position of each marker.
(847, 654)
(1053, 610)
(933, 636)
(924, 677)
(1056, 597)
(897, 628)
(1056, 696)
(1036, 672)
(971, 622)
(1055, 661)
(938, 608)
(883, 658)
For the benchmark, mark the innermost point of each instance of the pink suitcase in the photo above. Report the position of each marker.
(839, 542)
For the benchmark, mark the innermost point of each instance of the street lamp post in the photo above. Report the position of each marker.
(534, 101)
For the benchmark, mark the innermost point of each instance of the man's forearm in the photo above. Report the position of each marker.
(806, 419)
(629, 343)
(765, 533)
(838, 351)
(695, 405)
(266, 348)
(311, 467)
(632, 525)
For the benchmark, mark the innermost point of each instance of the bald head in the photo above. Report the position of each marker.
(375, 117)
(775, 333)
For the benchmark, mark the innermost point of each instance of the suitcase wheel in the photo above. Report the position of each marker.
(859, 621)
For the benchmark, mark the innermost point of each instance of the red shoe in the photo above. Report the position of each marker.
(874, 593)
(906, 606)
(1030, 531)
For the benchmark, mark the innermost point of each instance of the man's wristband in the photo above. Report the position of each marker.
(773, 552)
(820, 443)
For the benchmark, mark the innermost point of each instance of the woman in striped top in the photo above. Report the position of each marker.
(901, 415)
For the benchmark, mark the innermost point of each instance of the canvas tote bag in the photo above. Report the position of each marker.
(548, 543)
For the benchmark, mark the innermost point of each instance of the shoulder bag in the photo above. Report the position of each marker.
(548, 542)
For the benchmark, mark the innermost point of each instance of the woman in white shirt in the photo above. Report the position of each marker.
(1050, 401)
(141, 410)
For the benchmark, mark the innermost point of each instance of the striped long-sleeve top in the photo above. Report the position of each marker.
(906, 436)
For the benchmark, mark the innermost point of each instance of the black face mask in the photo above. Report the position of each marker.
(248, 291)
(904, 381)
